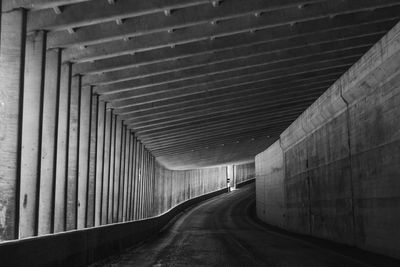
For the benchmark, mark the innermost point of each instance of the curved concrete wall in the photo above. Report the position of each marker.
(244, 172)
(334, 173)
(269, 186)
(84, 247)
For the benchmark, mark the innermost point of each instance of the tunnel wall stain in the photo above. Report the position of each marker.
(334, 173)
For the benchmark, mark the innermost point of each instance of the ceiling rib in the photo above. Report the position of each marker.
(204, 83)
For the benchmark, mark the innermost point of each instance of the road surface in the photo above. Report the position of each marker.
(220, 232)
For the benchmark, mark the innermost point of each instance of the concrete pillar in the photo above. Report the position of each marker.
(84, 122)
(101, 113)
(111, 170)
(91, 177)
(48, 141)
(116, 176)
(73, 155)
(62, 148)
(35, 59)
(126, 183)
(121, 167)
(152, 192)
(12, 53)
(137, 174)
(129, 180)
(133, 186)
(145, 181)
(106, 165)
(140, 178)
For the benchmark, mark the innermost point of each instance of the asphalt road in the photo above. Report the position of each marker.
(220, 232)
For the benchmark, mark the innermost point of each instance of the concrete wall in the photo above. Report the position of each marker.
(269, 185)
(75, 182)
(334, 173)
(174, 187)
(68, 162)
(84, 247)
(244, 172)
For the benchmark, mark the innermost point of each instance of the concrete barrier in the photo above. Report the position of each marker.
(83, 247)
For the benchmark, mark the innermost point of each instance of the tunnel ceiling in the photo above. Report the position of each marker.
(209, 82)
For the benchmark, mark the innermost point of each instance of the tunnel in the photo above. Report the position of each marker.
(199, 133)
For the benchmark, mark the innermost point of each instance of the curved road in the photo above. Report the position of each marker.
(219, 232)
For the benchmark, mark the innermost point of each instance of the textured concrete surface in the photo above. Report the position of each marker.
(11, 40)
(244, 172)
(83, 247)
(269, 186)
(341, 158)
(221, 232)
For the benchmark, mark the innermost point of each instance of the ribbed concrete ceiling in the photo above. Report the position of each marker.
(209, 82)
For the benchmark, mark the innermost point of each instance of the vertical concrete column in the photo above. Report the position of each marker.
(100, 143)
(132, 197)
(116, 176)
(122, 175)
(84, 134)
(169, 190)
(140, 178)
(12, 54)
(62, 138)
(136, 180)
(136, 195)
(146, 187)
(92, 162)
(130, 180)
(147, 183)
(111, 169)
(143, 182)
(73, 155)
(150, 185)
(145, 179)
(133, 172)
(151, 192)
(31, 133)
(106, 164)
(120, 193)
(154, 192)
(48, 141)
(126, 184)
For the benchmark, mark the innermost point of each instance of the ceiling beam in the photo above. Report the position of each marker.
(9, 5)
(225, 79)
(198, 129)
(259, 79)
(221, 102)
(239, 62)
(130, 72)
(196, 40)
(234, 130)
(248, 105)
(196, 15)
(216, 151)
(218, 57)
(222, 118)
(223, 141)
(205, 140)
(185, 17)
(94, 12)
(205, 97)
(273, 85)
(217, 106)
